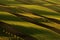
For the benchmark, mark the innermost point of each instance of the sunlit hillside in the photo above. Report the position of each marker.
(29, 19)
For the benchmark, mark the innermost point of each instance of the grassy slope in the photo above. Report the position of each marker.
(39, 32)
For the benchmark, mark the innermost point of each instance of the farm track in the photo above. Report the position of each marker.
(31, 20)
(8, 28)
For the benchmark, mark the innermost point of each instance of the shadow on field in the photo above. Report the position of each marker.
(2, 33)
(9, 18)
(10, 29)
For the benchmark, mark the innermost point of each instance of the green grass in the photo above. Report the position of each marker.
(25, 27)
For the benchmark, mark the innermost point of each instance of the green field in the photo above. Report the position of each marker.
(37, 18)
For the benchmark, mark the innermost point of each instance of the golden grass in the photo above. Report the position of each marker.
(29, 15)
(38, 7)
(53, 24)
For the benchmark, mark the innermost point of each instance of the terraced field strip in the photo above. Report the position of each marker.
(55, 1)
(52, 7)
(13, 31)
(50, 2)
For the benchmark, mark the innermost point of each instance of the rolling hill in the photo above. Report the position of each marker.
(29, 19)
